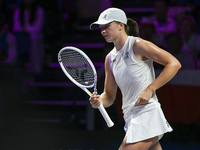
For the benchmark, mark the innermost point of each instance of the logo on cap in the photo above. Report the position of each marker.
(105, 16)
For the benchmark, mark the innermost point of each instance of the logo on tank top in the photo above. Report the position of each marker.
(114, 60)
(127, 55)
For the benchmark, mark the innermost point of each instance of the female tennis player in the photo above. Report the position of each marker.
(129, 66)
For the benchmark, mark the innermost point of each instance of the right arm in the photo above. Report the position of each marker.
(110, 89)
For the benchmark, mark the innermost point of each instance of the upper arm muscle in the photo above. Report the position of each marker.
(148, 50)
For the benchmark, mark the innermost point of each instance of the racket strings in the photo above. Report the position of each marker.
(78, 67)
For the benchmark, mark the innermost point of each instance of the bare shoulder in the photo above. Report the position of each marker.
(142, 44)
(147, 50)
(140, 47)
(107, 59)
(107, 64)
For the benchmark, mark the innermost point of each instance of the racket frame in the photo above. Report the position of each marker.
(69, 76)
(84, 88)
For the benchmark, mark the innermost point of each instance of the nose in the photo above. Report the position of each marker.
(103, 31)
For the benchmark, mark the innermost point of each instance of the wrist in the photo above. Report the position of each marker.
(150, 88)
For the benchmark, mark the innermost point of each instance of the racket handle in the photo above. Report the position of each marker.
(105, 116)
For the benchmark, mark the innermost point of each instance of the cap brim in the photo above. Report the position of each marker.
(96, 24)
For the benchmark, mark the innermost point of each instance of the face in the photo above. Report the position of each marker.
(111, 31)
(186, 27)
(160, 10)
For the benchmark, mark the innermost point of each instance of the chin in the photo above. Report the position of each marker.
(109, 41)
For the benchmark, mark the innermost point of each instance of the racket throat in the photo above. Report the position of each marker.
(95, 91)
(95, 84)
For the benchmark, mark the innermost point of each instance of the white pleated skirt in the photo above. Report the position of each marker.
(144, 122)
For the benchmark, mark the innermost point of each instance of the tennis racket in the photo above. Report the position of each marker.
(78, 67)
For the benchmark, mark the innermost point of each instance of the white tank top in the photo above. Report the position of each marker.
(132, 75)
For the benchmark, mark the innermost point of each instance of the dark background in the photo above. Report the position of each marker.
(44, 111)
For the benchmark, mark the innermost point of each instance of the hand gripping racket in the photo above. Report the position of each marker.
(80, 70)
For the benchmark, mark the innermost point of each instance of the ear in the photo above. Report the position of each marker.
(121, 26)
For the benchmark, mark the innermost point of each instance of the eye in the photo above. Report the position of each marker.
(104, 26)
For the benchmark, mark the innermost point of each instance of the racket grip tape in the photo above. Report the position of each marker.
(105, 116)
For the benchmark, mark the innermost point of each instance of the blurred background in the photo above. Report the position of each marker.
(40, 109)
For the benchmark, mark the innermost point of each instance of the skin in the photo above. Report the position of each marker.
(143, 50)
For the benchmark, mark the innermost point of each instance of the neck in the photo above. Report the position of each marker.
(119, 42)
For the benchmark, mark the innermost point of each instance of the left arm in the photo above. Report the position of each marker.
(147, 50)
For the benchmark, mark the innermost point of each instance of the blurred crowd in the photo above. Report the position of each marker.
(174, 26)
(32, 29)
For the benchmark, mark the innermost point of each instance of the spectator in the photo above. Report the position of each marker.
(30, 18)
(174, 46)
(8, 51)
(54, 28)
(191, 39)
(177, 11)
(163, 23)
(147, 32)
(194, 6)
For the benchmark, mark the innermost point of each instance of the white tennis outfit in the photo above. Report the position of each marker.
(133, 76)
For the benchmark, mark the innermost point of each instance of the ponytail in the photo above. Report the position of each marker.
(132, 28)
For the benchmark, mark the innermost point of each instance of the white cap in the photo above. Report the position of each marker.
(110, 15)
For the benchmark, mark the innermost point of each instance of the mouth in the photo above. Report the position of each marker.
(105, 36)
